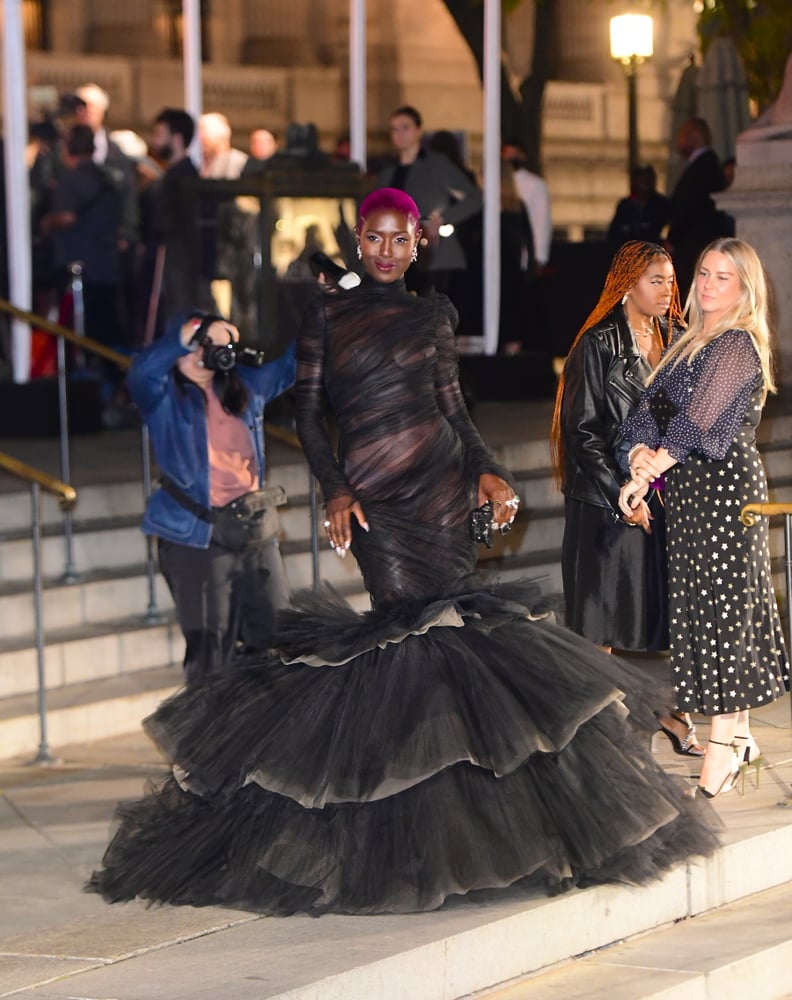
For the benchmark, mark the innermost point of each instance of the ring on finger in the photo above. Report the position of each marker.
(325, 524)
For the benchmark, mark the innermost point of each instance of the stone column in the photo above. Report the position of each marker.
(761, 202)
(226, 30)
(67, 24)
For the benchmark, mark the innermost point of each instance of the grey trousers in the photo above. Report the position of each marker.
(226, 602)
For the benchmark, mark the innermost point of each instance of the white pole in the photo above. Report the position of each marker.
(492, 196)
(17, 185)
(357, 82)
(193, 94)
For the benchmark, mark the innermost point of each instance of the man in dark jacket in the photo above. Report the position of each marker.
(444, 194)
(180, 251)
(695, 220)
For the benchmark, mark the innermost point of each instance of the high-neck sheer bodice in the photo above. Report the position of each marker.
(386, 362)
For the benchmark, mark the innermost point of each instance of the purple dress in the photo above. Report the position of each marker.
(727, 646)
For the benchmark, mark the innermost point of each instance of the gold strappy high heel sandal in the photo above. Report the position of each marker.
(729, 778)
(749, 755)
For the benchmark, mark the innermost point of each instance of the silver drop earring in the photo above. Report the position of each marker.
(414, 254)
(359, 252)
(624, 299)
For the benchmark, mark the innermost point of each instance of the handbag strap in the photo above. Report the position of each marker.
(181, 498)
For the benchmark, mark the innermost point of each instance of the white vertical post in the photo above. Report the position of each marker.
(16, 180)
(191, 44)
(357, 82)
(492, 173)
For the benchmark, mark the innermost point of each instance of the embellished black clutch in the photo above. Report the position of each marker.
(481, 524)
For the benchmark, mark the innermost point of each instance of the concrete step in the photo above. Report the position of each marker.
(95, 546)
(101, 707)
(86, 654)
(738, 950)
(122, 499)
(95, 598)
(727, 918)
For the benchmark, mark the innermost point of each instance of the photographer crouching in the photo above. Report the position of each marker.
(203, 399)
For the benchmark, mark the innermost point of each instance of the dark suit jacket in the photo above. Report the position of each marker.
(437, 185)
(692, 208)
(695, 220)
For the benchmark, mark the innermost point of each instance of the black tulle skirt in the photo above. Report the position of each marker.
(384, 762)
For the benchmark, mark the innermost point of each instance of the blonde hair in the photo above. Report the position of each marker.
(92, 93)
(750, 312)
(626, 269)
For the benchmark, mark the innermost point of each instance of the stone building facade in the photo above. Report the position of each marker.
(270, 62)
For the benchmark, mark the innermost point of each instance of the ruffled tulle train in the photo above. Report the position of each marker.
(387, 761)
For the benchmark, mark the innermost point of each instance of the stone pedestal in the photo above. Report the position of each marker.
(761, 202)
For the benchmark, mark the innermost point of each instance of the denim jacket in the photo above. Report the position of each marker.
(176, 418)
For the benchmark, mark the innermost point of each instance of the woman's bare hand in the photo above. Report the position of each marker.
(505, 501)
(338, 523)
(640, 516)
(631, 495)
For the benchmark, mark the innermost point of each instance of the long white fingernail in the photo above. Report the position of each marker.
(347, 544)
(365, 526)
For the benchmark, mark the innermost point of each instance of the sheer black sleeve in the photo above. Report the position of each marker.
(724, 379)
(478, 458)
(311, 403)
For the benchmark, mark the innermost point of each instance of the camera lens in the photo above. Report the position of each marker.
(219, 357)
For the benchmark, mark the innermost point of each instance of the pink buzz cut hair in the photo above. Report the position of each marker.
(389, 199)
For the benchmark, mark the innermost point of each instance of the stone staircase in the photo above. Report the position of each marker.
(109, 660)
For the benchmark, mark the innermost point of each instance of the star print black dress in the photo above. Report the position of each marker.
(446, 741)
(727, 646)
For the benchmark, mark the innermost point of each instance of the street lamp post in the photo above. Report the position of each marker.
(631, 44)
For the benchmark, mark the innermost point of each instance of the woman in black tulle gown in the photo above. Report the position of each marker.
(448, 740)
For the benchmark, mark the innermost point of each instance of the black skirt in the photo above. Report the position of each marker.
(615, 577)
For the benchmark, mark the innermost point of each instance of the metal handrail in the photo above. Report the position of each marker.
(79, 340)
(67, 497)
(752, 511)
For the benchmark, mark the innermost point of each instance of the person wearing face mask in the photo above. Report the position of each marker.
(180, 253)
(215, 522)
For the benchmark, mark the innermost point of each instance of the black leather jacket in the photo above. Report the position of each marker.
(604, 378)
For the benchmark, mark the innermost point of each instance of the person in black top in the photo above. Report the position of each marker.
(643, 215)
(694, 218)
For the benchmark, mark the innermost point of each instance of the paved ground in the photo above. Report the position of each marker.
(58, 942)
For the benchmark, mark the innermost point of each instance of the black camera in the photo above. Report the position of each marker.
(224, 357)
(218, 357)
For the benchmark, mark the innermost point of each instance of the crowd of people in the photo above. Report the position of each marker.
(126, 194)
(456, 737)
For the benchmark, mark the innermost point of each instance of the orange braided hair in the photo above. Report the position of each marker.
(626, 268)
